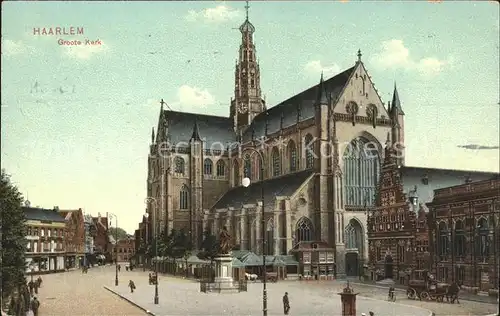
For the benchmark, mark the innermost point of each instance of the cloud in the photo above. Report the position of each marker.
(194, 97)
(218, 14)
(84, 51)
(394, 55)
(12, 48)
(315, 67)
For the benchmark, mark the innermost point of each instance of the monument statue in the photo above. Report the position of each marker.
(224, 241)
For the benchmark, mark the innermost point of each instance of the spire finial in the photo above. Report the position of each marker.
(247, 6)
(162, 103)
(321, 80)
(359, 55)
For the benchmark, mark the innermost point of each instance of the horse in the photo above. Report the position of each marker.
(251, 277)
(452, 293)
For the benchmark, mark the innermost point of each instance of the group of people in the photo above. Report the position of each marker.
(25, 299)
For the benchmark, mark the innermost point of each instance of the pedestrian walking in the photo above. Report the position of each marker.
(286, 304)
(36, 287)
(119, 268)
(131, 285)
(35, 305)
(31, 286)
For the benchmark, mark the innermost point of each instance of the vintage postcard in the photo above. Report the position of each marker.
(250, 157)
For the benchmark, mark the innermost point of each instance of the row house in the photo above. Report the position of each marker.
(125, 249)
(45, 232)
(74, 236)
(466, 234)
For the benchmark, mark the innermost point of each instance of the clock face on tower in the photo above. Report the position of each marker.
(242, 108)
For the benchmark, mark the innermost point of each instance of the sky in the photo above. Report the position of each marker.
(76, 120)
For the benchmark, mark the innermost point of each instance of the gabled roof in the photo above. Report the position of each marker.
(40, 214)
(303, 102)
(237, 263)
(281, 186)
(211, 129)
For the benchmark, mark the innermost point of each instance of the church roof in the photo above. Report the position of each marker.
(281, 186)
(211, 129)
(304, 101)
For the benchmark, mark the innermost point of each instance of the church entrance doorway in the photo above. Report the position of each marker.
(389, 267)
(352, 264)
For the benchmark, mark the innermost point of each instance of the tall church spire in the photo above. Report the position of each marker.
(247, 101)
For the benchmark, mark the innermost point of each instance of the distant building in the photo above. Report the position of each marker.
(125, 249)
(466, 234)
(74, 236)
(45, 251)
(101, 239)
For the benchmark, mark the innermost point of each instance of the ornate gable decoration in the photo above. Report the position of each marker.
(390, 190)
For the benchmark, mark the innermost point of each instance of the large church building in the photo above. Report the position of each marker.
(313, 162)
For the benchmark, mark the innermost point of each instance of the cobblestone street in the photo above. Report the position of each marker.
(74, 293)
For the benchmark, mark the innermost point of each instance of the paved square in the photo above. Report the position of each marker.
(182, 297)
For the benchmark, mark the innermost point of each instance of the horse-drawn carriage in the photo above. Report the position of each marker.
(429, 289)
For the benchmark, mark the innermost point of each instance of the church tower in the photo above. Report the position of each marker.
(398, 127)
(247, 101)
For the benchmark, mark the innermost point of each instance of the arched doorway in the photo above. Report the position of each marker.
(353, 233)
(388, 267)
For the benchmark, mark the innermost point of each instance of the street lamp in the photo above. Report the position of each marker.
(246, 183)
(116, 246)
(153, 201)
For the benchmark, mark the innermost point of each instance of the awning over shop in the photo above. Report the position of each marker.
(193, 259)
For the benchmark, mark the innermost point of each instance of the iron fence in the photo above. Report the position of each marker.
(219, 287)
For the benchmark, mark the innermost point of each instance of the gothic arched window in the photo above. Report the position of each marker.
(443, 240)
(459, 239)
(221, 168)
(292, 156)
(353, 235)
(207, 167)
(304, 230)
(482, 244)
(183, 197)
(247, 167)
(309, 151)
(253, 235)
(256, 166)
(270, 237)
(236, 173)
(179, 165)
(361, 171)
(275, 155)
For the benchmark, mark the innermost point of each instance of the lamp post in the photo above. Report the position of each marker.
(246, 183)
(152, 200)
(116, 246)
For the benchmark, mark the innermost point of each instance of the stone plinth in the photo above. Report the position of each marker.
(223, 282)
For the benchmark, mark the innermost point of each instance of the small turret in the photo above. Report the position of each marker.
(196, 132)
(322, 98)
(153, 135)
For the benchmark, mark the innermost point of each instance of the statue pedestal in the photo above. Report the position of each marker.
(223, 272)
